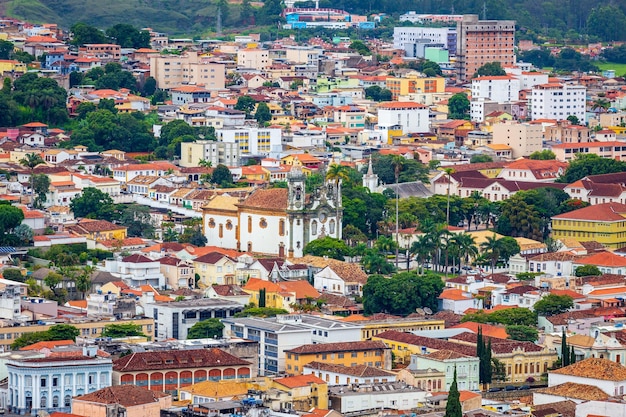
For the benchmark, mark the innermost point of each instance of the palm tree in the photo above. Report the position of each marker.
(398, 162)
(449, 172)
(466, 247)
(491, 247)
(204, 163)
(337, 173)
(601, 104)
(31, 160)
(83, 279)
(422, 249)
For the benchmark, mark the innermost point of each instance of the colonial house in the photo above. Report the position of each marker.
(340, 278)
(128, 401)
(178, 273)
(170, 370)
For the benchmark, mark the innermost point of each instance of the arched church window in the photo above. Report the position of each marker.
(229, 225)
(249, 224)
(331, 227)
(263, 223)
(211, 223)
(314, 227)
(221, 230)
(281, 227)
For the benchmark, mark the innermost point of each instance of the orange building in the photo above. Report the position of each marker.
(370, 353)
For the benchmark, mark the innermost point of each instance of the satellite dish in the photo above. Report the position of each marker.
(420, 311)
(428, 310)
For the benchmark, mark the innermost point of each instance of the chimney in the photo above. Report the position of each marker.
(90, 351)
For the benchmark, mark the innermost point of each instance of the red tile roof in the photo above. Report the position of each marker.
(315, 348)
(125, 395)
(607, 212)
(48, 344)
(299, 381)
(603, 259)
(176, 359)
(595, 368)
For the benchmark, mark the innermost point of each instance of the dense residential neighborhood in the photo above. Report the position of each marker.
(313, 225)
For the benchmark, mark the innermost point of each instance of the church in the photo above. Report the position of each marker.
(275, 221)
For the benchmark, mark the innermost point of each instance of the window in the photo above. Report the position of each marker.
(67, 401)
(43, 383)
(55, 381)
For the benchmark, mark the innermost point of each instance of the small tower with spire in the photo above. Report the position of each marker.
(370, 180)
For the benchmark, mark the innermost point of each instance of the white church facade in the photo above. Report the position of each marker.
(276, 221)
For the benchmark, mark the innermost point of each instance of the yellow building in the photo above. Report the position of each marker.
(406, 324)
(8, 65)
(280, 294)
(303, 392)
(369, 353)
(604, 223)
(521, 360)
(87, 329)
(98, 230)
(413, 83)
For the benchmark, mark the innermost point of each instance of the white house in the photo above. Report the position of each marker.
(558, 101)
(406, 116)
(458, 301)
(48, 384)
(605, 374)
(335, 374)
(340, 278)
(136, 270)
(502, 89)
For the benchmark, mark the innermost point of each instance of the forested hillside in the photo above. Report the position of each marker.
(548, 17)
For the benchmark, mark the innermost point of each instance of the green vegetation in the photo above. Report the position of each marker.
(522, 333)
(587, 271)
(402, 293)
(590, 164)
(458, 106)
(483, 352)
(122, 330)
(10, 218)
(453, 405)
(480, 158)
(509, 316)
(253, 311)
(206, 328)
(553, 304)
(56, 332)
(327, 246)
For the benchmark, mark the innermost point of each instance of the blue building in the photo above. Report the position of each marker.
(48, 383)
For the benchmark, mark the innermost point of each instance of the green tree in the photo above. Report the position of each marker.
(262, 113)
(490, 69)
(327, 246)
(209, 328)
(453, 405)
(222, 176)
(10, 218)
(13, 274)
(553, 304)
(261, 312)
(522, 333)
(245, 104)
(84, 108)
(127, 36)
(590, 164)
(519, 219)
(149, 86)
(83, 279)
(509, 316)
(402, 293)
(122, 330)
(94, 204)
(360, 47)
(24, 234)
(62, 332)
(40, 186)
(82, 33)
(607, 22)
(587, 271)
(565, 357)
(28, 339)
(458, 106)
(30, 161)
(270, 13)
(543, 155)
(6, 49)
(375, 263)
(53, 279)
(480, 158)
(491, 249)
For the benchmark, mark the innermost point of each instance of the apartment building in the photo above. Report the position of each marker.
(483, 41)
(405, 38)
(604, 223)
(226, 153)
(522, 138)
(405, 116)
(253, 58)
(567, 151)
(413, 83)
(253, 140)
(172, 71)
(103, 51)
(502, 88)
(558, 101)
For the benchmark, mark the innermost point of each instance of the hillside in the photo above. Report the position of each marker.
(172, 16)
(549, 17)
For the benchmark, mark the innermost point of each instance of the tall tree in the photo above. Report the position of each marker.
(453, 405)
(458, 106)
(565, 357)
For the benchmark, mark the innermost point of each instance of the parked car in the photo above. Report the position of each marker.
(510, 388)
(495, 389)
(524, 388)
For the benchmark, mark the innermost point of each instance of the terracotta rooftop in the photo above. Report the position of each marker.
(126, 395)
(430, 343)
(608, 259)
(299, 381)
(176, 359)
(608, 212)
(365, 345)
(362, 371)
(595, 368)
(274, 199)
(577, 391)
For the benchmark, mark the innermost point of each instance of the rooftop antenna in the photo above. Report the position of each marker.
(484, 10)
